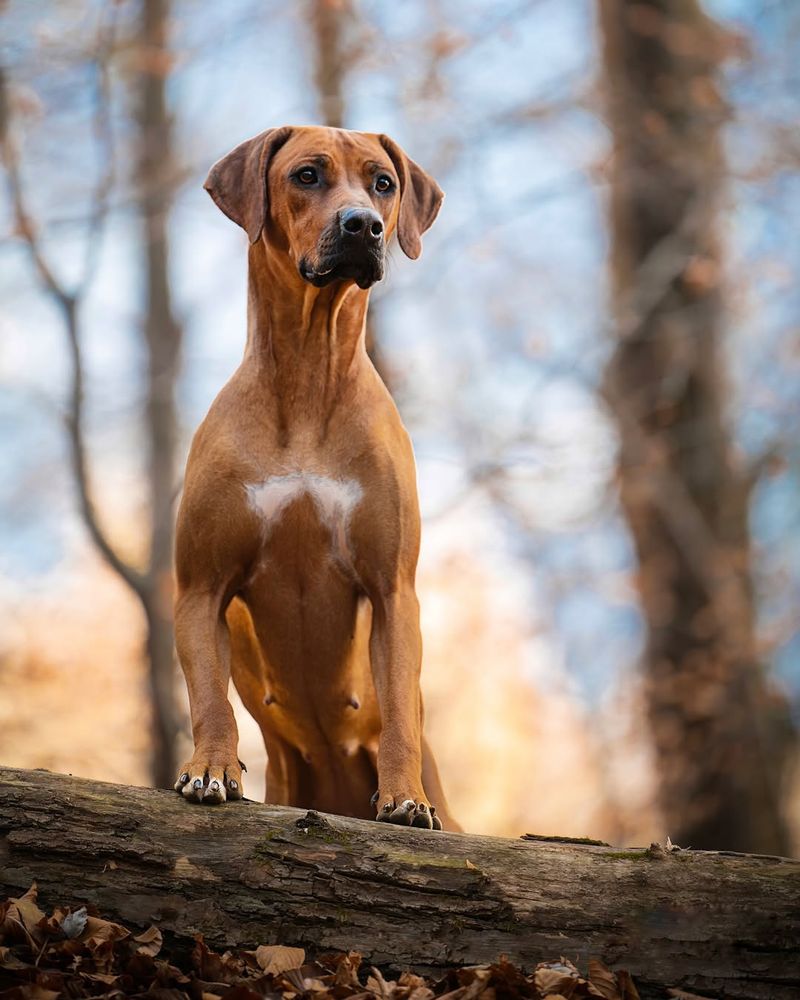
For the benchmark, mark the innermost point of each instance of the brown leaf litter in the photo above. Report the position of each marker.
(75, 953)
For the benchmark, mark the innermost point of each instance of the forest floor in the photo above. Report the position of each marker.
(77, 953)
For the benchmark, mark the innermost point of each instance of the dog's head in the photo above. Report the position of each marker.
(328, 197)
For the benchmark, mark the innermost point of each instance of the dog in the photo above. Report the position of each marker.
(298, 531)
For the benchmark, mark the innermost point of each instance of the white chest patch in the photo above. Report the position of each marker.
(334, 499)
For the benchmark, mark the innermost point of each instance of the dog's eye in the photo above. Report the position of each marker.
(383, 184)
(307, 175)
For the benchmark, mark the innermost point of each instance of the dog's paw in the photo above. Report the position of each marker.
(407, 812)
(205, 780)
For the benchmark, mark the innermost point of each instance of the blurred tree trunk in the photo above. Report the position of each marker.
(155, 178)
(721, 736)
(332, 59)
(156, 171)
(327, 28)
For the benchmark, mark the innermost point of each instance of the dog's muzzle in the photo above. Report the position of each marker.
(353, 247)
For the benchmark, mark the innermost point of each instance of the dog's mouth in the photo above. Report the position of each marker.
(365, 271)
(339, 259)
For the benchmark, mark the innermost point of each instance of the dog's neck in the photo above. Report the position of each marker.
(306, 343)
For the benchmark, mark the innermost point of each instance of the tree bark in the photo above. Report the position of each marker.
(245, 874)
(721, 735)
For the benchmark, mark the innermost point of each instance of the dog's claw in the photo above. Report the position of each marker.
(408, 813)
(215, 792)
(422, 818)
(209, 783)
(404, 813)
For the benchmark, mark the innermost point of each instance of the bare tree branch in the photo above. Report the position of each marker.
(69, 301)
(104, 139)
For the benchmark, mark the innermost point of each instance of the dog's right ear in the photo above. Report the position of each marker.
(238, 182)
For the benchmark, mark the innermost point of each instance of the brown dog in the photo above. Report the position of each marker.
(298, 532)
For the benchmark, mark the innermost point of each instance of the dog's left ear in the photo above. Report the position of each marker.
(238, 182)
(420, 199)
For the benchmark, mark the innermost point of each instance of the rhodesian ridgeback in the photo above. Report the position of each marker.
(299, 530)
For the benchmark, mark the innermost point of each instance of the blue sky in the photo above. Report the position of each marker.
(498, 334)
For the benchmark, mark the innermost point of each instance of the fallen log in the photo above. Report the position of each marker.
(246, 874)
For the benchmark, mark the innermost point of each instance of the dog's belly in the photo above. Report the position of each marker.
(311, 676)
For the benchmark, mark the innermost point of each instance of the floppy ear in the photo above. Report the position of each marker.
(238, 182)
(420, 199)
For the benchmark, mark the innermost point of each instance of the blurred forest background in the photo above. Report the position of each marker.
(598, 359)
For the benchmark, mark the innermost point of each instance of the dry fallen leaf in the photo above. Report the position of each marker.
(74, 954)
(149, 942)
(277, 958)
(107, 979)
(603, 980)
(626, 985)
(8, 960)
(478, 985)
(377, 985)
(98, 932)
(241, 992)
(346, 969)
(555, 977)
(31, 992)
(22, 916)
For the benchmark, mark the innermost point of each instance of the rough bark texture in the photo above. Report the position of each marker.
(720, 735)
(246, 874)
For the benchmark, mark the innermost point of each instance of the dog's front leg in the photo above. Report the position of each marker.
(201, 635)
(396, 654)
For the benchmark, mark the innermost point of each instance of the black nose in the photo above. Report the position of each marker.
(361, 223)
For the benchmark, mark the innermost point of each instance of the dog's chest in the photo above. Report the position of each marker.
(332, 501)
